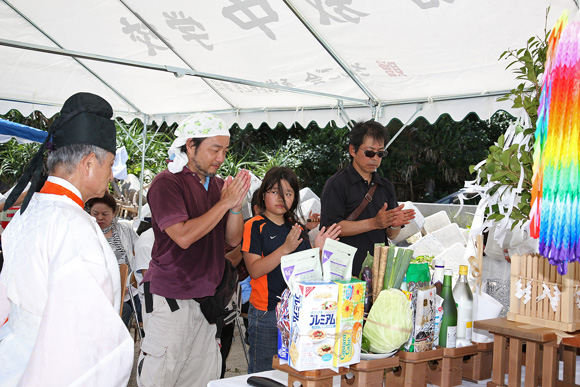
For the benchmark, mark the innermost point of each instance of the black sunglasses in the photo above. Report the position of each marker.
(370, 154)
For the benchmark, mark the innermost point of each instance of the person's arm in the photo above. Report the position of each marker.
(18, 201)
(313, 220)
(258, 266)
(235, 256)
(143, 249)
(188, 232)
(331, 232)
(385, 219)
(401, 218)
(355, 227)
(61, 338)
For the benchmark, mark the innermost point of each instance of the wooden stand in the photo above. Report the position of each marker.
(448, 371)
(519, 333)
(369, 372)
(314, 378)
(412, 371)
(478, 366)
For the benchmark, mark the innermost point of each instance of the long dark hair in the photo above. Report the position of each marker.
(272, 180)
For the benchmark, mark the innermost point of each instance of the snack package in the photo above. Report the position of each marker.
(349, 320)
(301, 266)
(424, 328)
(283, 323)
(313, 325)
(337, 260)
(282, 349)
(438, 318)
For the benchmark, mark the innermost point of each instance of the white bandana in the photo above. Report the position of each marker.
(198, 125)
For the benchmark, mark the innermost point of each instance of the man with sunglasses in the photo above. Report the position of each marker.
(344, 192)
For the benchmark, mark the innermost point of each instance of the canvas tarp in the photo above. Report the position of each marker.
(21, 133)
(267, 61)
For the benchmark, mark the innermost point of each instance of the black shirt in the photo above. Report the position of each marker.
(262, 237)
(342, 194)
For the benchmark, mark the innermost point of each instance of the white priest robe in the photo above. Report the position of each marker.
(63, 283)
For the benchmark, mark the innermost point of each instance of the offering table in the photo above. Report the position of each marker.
(545, 361)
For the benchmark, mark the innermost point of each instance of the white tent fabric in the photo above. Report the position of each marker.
(252, 61)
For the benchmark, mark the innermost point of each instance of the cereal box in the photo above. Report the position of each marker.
(313, 324)
(349, 319)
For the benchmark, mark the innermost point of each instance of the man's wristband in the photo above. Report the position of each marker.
(396, 228)
(236, 212)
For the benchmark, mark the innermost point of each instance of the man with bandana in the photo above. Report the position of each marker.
(61, 276)
(194, 215)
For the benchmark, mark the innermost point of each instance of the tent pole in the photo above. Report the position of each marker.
(177, 71)
(343, 116)
(331, 51)
(34, 25)
(143, 150)
(419, 108)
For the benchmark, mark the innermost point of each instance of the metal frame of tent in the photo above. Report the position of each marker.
(342, 102)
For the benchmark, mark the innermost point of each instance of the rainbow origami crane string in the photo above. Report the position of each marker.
(555, 191)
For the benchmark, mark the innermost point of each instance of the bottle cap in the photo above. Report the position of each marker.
(439, 263)
(462, 270)
(448, 272)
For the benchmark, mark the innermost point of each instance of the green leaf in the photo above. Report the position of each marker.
(495, 216)
(493, 189)
(500, 141)
(512, 177)
(515, 164)
(505, 157)
(498, 175)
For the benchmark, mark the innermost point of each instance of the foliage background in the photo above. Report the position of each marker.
(426, 162)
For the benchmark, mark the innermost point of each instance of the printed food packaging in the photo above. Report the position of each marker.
(349, 319)
(313, 325)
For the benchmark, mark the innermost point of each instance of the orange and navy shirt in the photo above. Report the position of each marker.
(262, 237)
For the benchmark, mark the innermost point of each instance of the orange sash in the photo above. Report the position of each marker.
(55, 189)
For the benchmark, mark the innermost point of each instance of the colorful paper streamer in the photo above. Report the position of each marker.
(555, 190)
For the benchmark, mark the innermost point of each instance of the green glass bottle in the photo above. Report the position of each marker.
(448, 332)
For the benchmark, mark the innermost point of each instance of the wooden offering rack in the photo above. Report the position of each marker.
(537, 271)
(448, 371)
(314, 378)
(412, 370)
(369, 373)
(478, 367)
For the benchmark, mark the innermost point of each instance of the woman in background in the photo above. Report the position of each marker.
(121, 238)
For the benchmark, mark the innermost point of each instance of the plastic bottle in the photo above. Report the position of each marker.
(437, 279)
(464, 300)
(448, 333)
(404, 284)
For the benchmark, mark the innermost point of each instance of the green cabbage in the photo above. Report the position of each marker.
(393, 311)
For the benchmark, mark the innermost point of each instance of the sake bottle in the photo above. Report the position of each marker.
(464, 300)
(448, 332)
(437, 278)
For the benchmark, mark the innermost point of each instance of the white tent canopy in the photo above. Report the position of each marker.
(251, 61)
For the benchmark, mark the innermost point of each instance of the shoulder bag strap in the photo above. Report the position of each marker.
(366, 200)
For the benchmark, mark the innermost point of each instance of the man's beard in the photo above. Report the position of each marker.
(203, 171)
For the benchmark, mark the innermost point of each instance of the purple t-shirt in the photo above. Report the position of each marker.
(196, 271)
